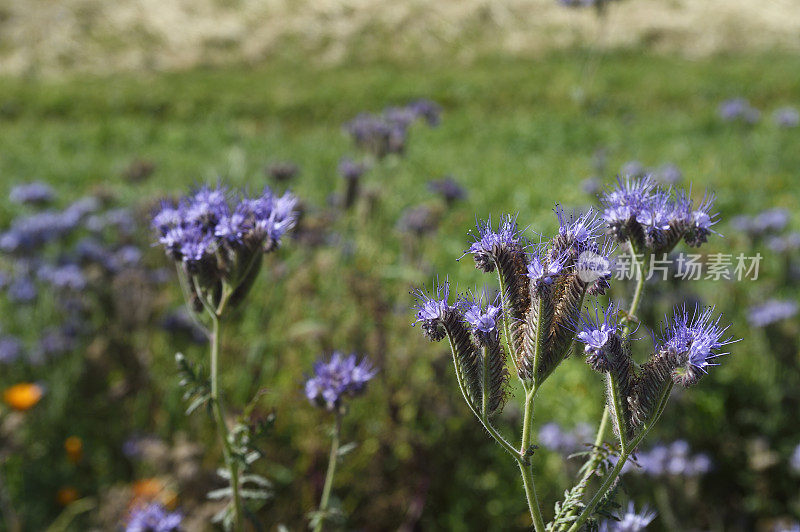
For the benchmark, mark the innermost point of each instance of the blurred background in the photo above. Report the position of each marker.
(106, 108)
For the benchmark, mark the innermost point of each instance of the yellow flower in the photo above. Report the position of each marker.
(74, 447)
(23, 396)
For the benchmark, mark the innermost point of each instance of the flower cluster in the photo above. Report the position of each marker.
(78, 253)
(771, 311)
(218, 244)
(767, 222)
(34, 193)
(385, 133)
(543, 289)
(673, 460)
(153, 517)
(738, 110)
(653, 219)
(689, 345)
(338, 378)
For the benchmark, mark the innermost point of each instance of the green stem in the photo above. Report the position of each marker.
(623, 457)
(530, 494)
(485, 386)
(326, 490)
(222, 427)
(594, 459)
(524, 465)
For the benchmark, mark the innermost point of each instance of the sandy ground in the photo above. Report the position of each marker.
(50, 37)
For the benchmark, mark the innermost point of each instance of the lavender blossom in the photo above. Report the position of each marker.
(772, 311)
(482, 319)
(448, 188)
(669, 174)
(350, 169)
(786, 117)
(433, 310)
(794, 461)
(10, 349)
(65, 277)
(490, 244)
(35, 193)
(153, 518)
(693, 342)
(738, 109)
(338, 378)
(22, 290)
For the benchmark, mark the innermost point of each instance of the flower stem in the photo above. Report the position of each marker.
(612, 476)
(222, 427)
(524, 465)
(326, 489)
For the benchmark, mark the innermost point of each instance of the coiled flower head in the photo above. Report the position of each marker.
(338, 378)
(490, 245)
(693, 342)
(433, 309)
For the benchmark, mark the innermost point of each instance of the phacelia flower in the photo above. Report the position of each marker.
(153, 517)
(432, 310)
(786, 117)
(738, 110)
(482, 319)
(448, 188)
(542, 275)
(489, 244)
(338, 378)
(771, 312)
(35, 193)
(693, 341)
(10, 349)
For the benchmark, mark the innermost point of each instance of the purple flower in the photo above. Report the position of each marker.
(489, 244)
(10, 349)
(695, 341)
(669, 174)
(786, 117)
(427, 110)
(433, 310)
(68, 276)
(595, 332)
(35, 193)
(351, 170)
(633, 169)
(738, 109)
(771, 312)
(482, 320)
(22, 290)
(153, 518)
(794, 461)
(630, 520)
(554, 438)
(543, 275)
(338, 378)
(578, 229)
(419, 220)
(448, 188)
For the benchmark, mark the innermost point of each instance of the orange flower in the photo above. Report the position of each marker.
(23, 396)
(147, 488)
(74, 447)
(66, 495)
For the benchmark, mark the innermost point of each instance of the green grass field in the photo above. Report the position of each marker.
(519, 134)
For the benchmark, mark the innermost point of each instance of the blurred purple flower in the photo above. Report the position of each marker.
(738, 109)
(10, 349)
(339, 377)
(771, 311)
(629, 520)
(448, 188)
(35, 193)
(153, 517)
(786, 117)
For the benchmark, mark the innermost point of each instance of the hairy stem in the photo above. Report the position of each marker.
(594, 459)
(326, 490)
(612, 476)
(524, 464)
(222, 427)
(505, 301)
